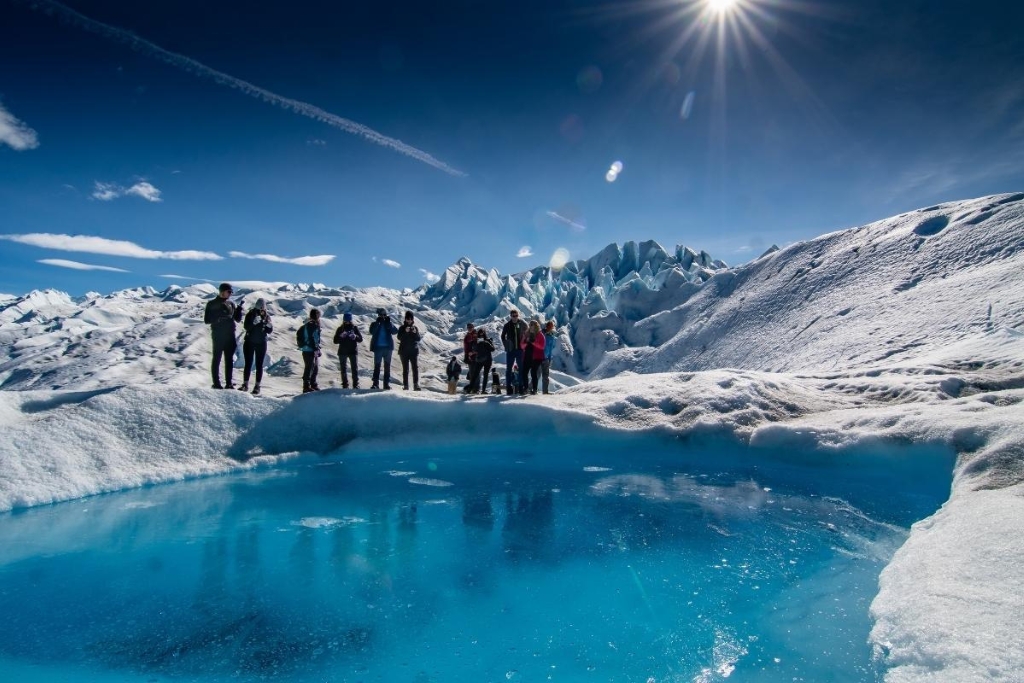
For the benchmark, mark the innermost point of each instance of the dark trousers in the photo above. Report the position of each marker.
(545, 372)
(310, 368)
(480, 374)
(225, 348)
(382, 357)
(513, 358)
(250, 352)
(414, 361)
(349, 359)
(533, 370)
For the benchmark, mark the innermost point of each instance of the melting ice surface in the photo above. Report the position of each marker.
(690, 563)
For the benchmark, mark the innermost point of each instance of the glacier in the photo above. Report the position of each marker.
(909, 329)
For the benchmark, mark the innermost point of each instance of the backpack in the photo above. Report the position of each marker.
(300, 336)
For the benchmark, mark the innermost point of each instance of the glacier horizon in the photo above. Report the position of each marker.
(907, 329)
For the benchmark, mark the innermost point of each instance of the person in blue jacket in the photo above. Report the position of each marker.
(382, 343)
(549, 348)
(308, 337)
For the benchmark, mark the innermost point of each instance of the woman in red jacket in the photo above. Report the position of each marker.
(533, 354)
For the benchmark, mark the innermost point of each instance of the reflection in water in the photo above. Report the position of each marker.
(529, 525)
(347, 573)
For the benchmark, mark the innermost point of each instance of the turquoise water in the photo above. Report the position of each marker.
(690, 563)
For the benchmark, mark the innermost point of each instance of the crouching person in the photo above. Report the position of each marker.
(452, 373)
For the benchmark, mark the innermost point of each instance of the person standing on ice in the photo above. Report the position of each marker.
(221, 315)
(512, 335)
(533, 355)
(482, 362)
(469, 355)
(452, 372)
(549, 349)
(382, 331)
(308, 338)
(348, 337)
(409, 351)
(257, 327)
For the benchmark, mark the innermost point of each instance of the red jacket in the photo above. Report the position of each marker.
(469, 347)
(534, 350)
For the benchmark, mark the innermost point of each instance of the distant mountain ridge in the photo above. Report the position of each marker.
(883, 292)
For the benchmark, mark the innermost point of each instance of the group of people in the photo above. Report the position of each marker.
(527, 348)
(221, 315)
(348, 337)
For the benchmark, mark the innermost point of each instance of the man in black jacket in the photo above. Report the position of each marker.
(512, 336)
(347, 337)
(221, 315)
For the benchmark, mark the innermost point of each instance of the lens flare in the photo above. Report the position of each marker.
(559, 258)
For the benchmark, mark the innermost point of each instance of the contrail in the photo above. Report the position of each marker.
(190, 65)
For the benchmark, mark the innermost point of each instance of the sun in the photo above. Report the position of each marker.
(722, 6)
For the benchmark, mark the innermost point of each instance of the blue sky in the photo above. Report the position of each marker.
(491, 128)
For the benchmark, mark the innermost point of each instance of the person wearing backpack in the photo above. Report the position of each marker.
(382, 343)
(221, 314)
(308, 339)
(409, 351)
(257, 327)
(348, 337)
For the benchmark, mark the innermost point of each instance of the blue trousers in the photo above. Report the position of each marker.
(514, 358)
(382, 356)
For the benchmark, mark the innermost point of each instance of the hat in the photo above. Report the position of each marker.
(226, 286)
(408, 314)
(347, 318)
(261, 304)
(381, 311)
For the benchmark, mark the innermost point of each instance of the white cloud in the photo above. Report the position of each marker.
(75, 265)
(15, 133)
(578, 227)
(105, 192)
(390, 264)
(185, 277)
(144, 190)
(143, 46)
(524, 251)
(321, 260)
(430, 277)
(101, 245)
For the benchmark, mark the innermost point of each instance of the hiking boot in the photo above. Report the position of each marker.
(417, 388)
(405, 387)
(508, 391)
(244, 387)
(229, 385)
(217, 385)
(256, 390)
(314, 387)
(387, 387)
(375, 387)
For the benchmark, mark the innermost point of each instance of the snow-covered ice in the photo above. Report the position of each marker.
(910, 329)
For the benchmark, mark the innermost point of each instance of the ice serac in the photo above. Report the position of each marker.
(599, 300)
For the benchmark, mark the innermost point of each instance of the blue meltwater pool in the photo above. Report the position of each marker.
(612, 558)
